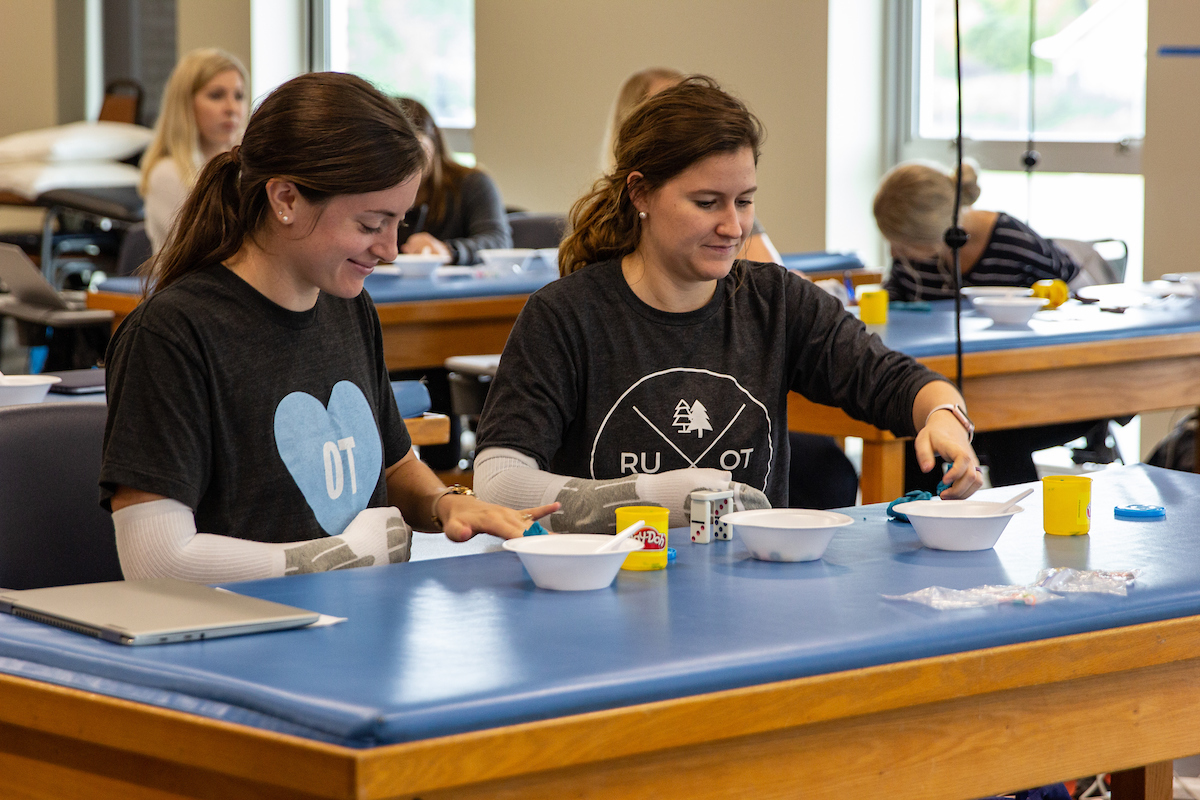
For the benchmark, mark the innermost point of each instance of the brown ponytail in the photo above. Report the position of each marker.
(328, 133)
(662, 137)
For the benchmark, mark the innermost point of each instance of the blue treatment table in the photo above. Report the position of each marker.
(802, 673)
(425, 320)
(1070, 364)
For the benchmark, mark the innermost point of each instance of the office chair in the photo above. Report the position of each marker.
(122, 102)
(534, 230)
(52, 529)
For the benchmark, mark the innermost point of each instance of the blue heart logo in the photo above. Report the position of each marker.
(334, 455)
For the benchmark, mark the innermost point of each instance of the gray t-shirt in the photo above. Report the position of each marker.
(274, 425)
(594, 383)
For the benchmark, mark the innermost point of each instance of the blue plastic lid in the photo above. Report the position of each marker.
(1139, 512)
(670, 554)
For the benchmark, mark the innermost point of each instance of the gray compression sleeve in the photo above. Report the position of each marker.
(510, 478)
(159, 540)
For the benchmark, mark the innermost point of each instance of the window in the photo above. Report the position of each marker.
(418, 48)
(1089, 93)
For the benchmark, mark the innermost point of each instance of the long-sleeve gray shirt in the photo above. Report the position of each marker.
(474, 220)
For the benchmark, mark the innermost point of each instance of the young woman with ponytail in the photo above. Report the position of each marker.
(248, 396)
(659, 363)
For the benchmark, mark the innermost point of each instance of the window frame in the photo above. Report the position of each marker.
(1123, 157)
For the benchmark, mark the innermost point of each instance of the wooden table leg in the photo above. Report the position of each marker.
(882, 470)
(1151, 782)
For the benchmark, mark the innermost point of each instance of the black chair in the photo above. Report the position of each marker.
(135, 249)
(52, 529)
(534, 230)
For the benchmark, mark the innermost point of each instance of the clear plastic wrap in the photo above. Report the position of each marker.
(944, 599)
(1060, 580)
(1067, 580)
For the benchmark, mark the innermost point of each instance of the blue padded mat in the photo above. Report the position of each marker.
(394, 289)
(921, 334)
(458, 644)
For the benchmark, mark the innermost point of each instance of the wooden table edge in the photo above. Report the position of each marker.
(480, 756)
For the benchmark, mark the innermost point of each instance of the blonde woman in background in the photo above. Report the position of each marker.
(914, 207)
(637, 88)
(203, 114)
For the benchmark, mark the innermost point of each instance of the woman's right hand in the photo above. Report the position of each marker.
(424, 243)
(466, 515)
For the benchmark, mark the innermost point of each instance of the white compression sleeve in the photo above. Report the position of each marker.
(159, 540)
(510, 478)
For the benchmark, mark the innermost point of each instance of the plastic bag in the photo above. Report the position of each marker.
(943, 599)
(1067, 580)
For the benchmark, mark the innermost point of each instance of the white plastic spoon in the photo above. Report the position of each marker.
(1009, 505)
(620, 537)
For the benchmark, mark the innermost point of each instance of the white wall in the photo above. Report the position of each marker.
(854, 127)
(277, 43)
(548, 70)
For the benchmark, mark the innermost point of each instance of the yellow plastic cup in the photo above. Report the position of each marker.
(873, 307)
(1056, 292)
(653, 536)
(1067, 504)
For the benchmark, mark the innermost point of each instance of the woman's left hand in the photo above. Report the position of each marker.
(424, 243)
(466, 516)
(944, 435)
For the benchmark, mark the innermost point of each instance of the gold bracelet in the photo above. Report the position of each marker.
(457, 488)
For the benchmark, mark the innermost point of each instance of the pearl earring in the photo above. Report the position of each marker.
(641, 215)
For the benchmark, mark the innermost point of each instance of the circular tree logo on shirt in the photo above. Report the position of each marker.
(681, 418)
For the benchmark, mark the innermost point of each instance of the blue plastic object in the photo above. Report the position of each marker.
(911, 497)
(412, 397)
(671, 554)
(536, 529)
(1139, 512)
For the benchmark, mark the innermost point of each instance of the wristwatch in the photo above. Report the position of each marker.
(960, 414)
(457, 488)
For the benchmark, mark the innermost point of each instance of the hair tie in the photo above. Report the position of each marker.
(235, 153)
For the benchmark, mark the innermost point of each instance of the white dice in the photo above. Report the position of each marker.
(707, 509)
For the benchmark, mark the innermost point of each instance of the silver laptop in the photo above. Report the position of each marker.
(156, 611)
(27, 284)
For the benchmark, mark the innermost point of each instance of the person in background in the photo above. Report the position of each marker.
(913, 208)
(822, 477)
(459, 210)
(252, 430)
(638, 87)
(660, 362)
(203, 113)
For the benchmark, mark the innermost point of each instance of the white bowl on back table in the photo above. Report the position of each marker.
(16, 390)
(413, 265)
(1009, 310)
(972, 292)
(507, 262)
(957, 524)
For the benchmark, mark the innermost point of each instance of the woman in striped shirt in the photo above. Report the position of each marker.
(913, 208)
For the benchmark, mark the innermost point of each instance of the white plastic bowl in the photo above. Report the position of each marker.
(18, 390)
(957, 524)
(997, 291)
(1009, 310)
(549, 257)
(569, 561)
(507, 262)
(413, 265)
(786, 534)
